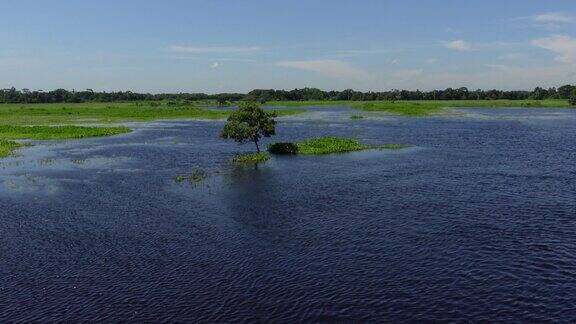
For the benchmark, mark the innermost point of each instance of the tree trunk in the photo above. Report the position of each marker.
(257, 147)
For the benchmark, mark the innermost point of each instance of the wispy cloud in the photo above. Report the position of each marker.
(553, 18)
(458, 45)
(215, 65)
(331, 68)
(213, 50)
(563, 46)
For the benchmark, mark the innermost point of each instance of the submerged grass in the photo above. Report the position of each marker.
(194, 178)
(251, 158)
(71, 113)
(7, 148)
(326, 145)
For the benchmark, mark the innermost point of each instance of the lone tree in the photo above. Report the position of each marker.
(249, 123)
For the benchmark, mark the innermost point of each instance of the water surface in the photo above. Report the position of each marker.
(475, 221)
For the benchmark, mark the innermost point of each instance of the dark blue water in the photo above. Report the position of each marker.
(475, 221)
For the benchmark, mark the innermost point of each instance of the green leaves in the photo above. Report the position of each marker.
(572, 99)
(249, 123)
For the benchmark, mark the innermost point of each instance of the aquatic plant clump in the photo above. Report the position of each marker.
(7, 147)
(252, 158)
(326, 145)
(194, 178)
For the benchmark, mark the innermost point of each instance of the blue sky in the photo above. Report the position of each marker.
(235, 46)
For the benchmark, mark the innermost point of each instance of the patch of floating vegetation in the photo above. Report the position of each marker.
(58, 132)
(251, 158)
(354, 117)
(327, 145)
(7, 148)
(10, 132)
(194, 178)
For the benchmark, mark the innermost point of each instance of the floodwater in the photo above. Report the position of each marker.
(475, 221)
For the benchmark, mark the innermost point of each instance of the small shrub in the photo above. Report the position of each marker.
(283, 148)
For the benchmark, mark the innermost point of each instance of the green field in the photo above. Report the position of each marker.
(68, 113)
(56, 121)
(424, 108)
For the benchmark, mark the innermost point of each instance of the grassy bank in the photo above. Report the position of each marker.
(424, 108)
(326, 145)
(57, 114)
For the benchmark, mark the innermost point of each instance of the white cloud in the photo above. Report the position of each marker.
(553, 18)
(219, 50)
(458, 45)
(214, 65)
(563, 46)
(331, 68)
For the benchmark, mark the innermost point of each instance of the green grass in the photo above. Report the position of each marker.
(57, 132)
(70, 113)
(251, 158)
(7, 148)
(326, 145)
(426, 107)
(8, 133)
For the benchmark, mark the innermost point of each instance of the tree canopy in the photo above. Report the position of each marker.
(572, 99)
(249, 124)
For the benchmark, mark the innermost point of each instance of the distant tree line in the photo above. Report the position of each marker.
(13, 95)
(563, 92)
(62, 95)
